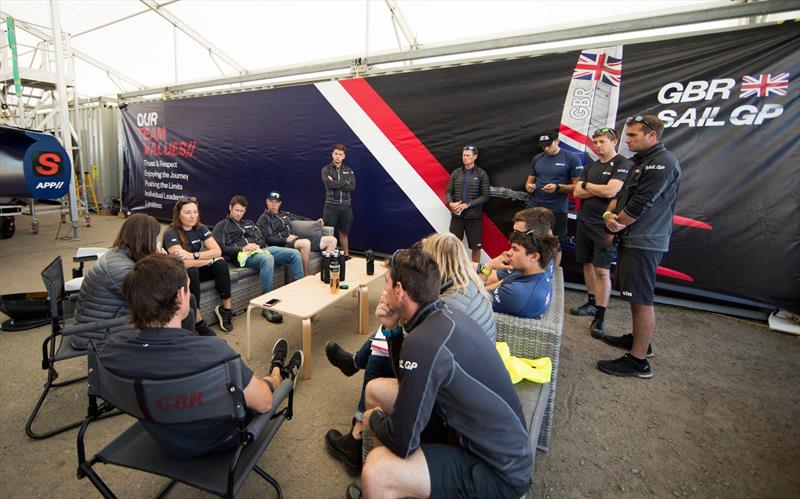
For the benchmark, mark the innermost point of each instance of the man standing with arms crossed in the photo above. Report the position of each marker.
(339, 181)
(554, 172)
(467, 192)
(641, 217)
(599, 183)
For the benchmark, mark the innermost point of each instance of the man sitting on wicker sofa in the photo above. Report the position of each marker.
(157, 294)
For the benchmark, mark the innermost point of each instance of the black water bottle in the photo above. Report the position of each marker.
(342, 266)
(325, 274)
(370, 262)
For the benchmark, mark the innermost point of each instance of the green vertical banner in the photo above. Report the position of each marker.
(12, 43)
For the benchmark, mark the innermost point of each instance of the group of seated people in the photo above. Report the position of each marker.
(258, 245)
(435, 393)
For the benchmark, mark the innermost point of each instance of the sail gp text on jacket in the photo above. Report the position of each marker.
(762, 85)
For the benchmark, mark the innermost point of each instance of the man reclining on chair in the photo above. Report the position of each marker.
(451, 422)
(157, 294)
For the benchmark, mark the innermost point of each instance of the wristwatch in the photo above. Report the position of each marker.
(196, 255)
(583, 184)
(483, 270)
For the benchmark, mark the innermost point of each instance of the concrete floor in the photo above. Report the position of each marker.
(719, 419)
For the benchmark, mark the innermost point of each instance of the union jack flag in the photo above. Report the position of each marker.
(764, 85)
(598, 67)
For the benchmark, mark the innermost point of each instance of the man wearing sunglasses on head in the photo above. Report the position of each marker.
(641, 218)
(554, 172)
(600, 181)
(467, 192)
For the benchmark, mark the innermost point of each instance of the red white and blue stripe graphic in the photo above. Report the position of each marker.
(404, 157)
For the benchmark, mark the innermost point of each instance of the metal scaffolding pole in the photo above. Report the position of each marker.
(61, 88)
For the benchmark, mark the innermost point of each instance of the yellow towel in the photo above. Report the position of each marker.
(536, 370)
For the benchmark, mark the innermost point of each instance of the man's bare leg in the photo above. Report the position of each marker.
(304, 247)
(476, 255)
(588, 278)
(344, 239)
(602, 286)
(388, 476)
(644, 325)
(382, 392)
(327, 243)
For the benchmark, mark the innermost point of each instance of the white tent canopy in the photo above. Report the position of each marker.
(127, 45)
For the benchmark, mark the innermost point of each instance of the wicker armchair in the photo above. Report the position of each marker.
(534, 338)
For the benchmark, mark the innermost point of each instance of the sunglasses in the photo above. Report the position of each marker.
(470, 148)
(640, 119)
(395, 274)
(606, 130)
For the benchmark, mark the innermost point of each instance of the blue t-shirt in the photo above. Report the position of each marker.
(522, 296)
(559, 169)
(195, 237)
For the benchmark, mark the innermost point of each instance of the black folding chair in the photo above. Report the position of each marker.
(56, 347)
(217, 394)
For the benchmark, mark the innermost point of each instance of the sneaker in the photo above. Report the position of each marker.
(597, 331)
(279, 351)
(626, 365)
(583, 310)
(272, 316)
(340, 358)
(224, 316)
(202, 329)
(353, 492)
(626, 343)
(292, 368)
(346, 449)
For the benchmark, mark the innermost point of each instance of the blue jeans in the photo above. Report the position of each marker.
(265, 264)
(374, 367)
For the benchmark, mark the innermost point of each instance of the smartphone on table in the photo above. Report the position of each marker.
(271, 302)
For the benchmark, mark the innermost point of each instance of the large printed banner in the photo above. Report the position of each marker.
(730, 103)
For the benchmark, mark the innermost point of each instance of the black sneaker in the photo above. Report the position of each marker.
(202, 329)
(583, 310)
(279, 351)
(272, 316)
(597, 331)
(626, 365)
(346, 449)
(293, 367)
(340, 358)
(626, 343)
(224, 316)
(353, 492)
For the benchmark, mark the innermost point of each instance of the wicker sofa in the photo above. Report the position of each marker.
(534, 338)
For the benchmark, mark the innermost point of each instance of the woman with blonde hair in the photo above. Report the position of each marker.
(462, 289)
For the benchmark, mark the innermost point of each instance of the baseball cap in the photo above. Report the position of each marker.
(274, 195)
(470, 147)
(547, 137)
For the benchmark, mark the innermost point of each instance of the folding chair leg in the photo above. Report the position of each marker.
(266, 476)
(166, 489)
(98, 482)
(50, 384)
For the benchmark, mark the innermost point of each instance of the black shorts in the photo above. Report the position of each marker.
(560, 228)
(455, 472)
(636, 274)
(472, 226)
(339, 216)
(591, 246)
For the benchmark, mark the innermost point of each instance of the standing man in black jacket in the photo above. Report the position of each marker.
(451, 383)
(339, 181)
(641, 217)
(467, 192)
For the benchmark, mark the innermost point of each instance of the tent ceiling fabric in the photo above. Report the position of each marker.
(263, 34)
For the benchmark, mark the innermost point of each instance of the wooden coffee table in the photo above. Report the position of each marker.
(309, 296)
